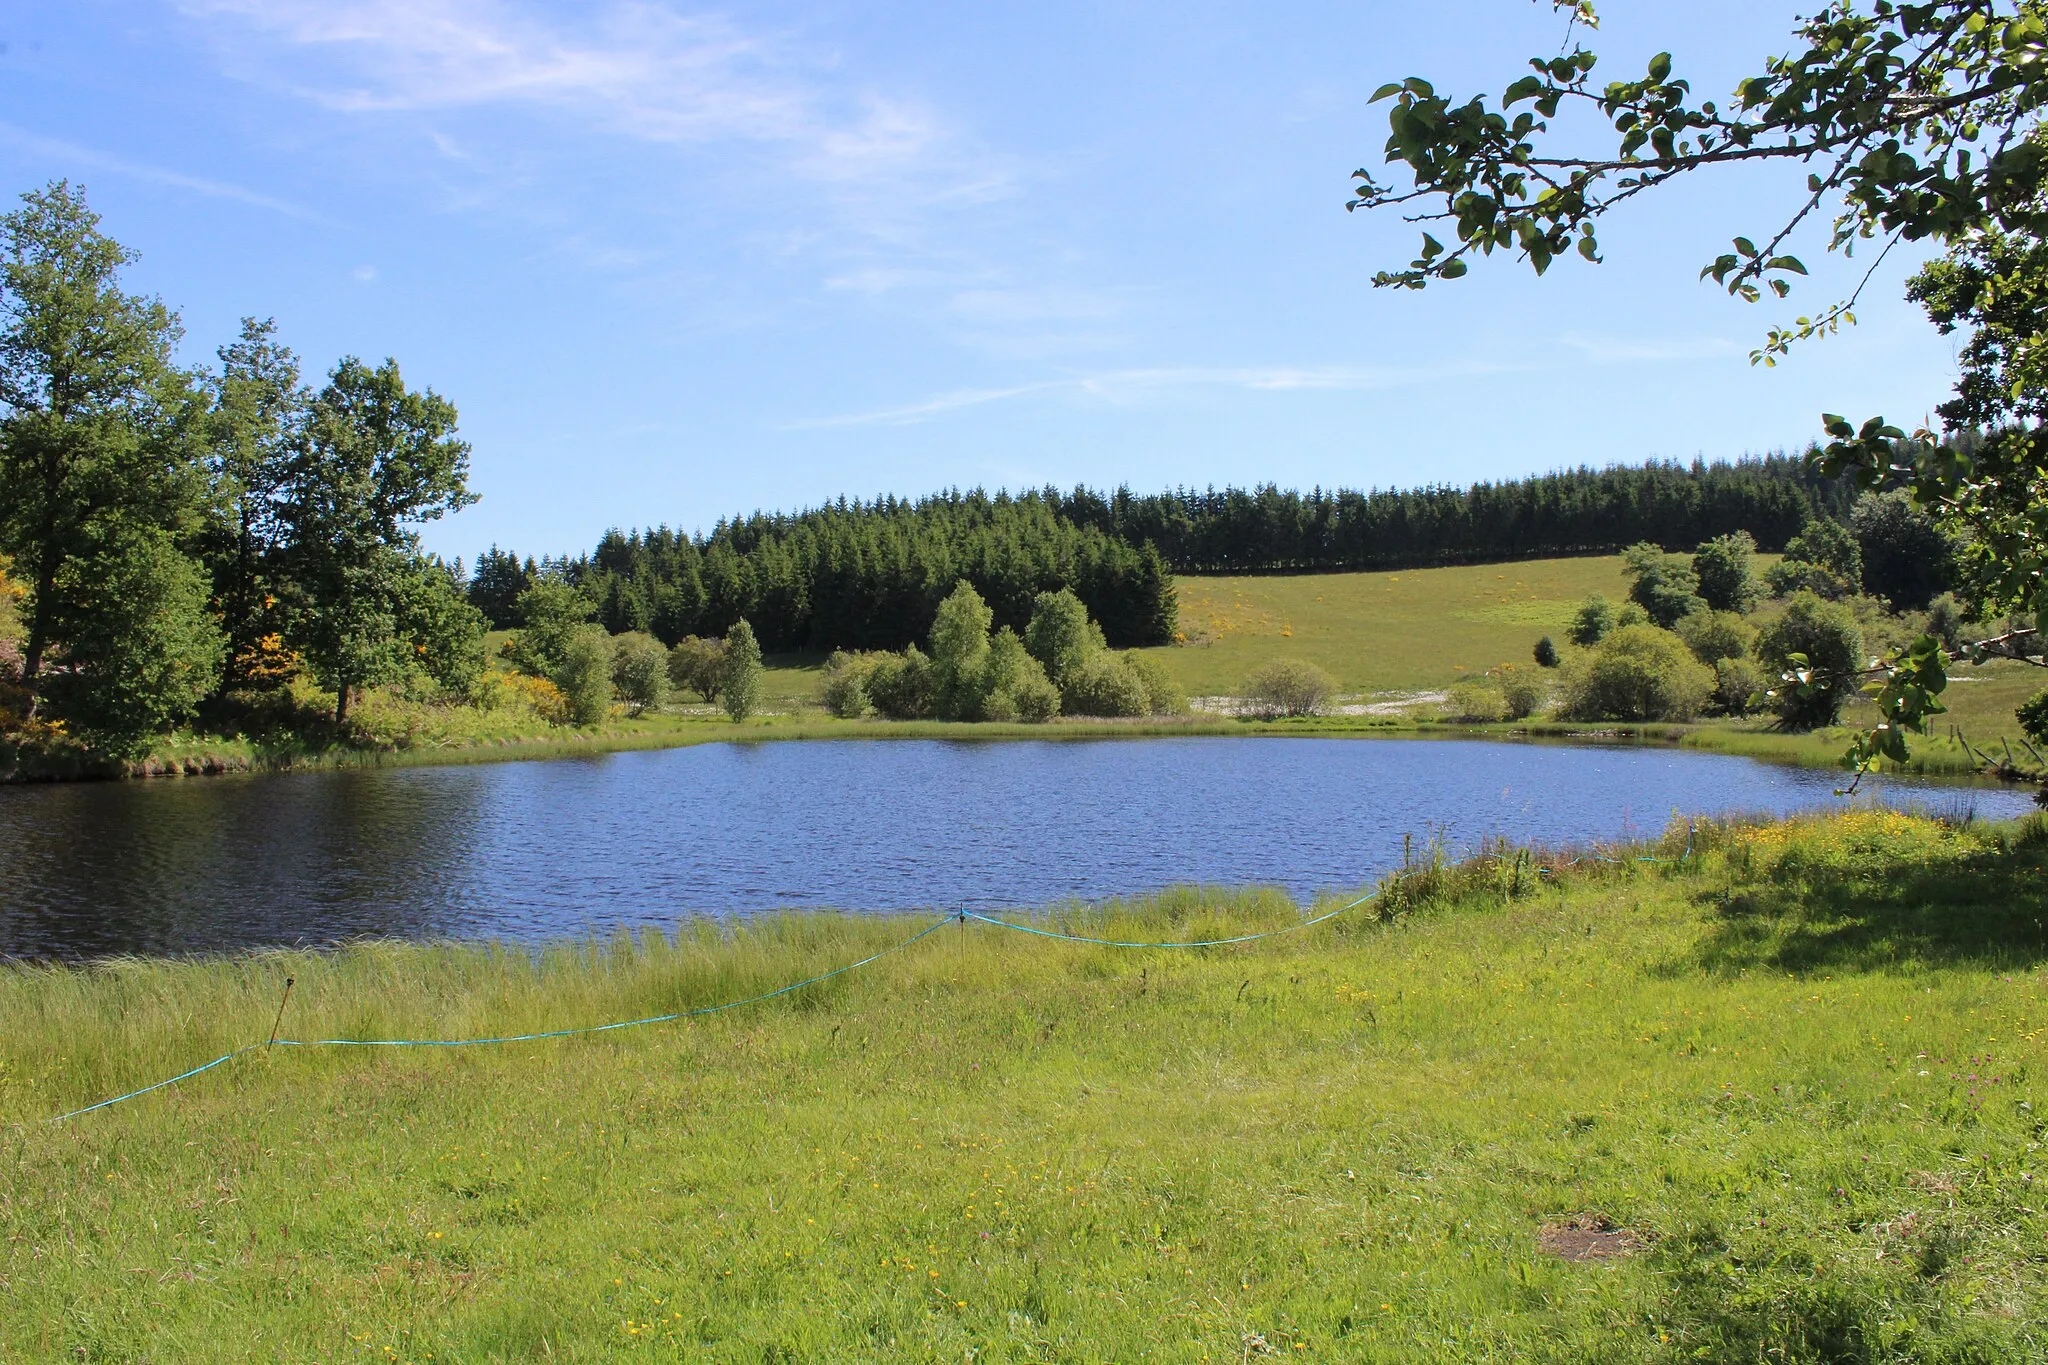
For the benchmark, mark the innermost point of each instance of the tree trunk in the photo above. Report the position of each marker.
(341, 704)
(38, 637)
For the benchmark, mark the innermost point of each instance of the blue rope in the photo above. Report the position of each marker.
(1197, 943)
(158, 1086)
(519, 1037)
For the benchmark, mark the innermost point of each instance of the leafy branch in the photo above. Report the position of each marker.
(1920, 111)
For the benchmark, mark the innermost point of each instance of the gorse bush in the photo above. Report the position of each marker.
(1636, 673)
(1288, 687)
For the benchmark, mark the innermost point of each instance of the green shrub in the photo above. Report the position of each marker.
(585, 675)
(741, 690)
(699, 665)
(1946, 621)
(1827, 635)
(1523, 694)
(640, 671)
(145, 652)
(1475, 701)
(1822, 559)
(1288, 687)
(900, 685)
(1013, 683)
(1739, 685)
(1060, 635)
(1546, 653)
(1037, 700)
(550, 613)
(1105, 686)
(1726, 572)
(960, 648)
(1595, 617)
(1907, 556)
(1716, 635)
(1637, 673)
(846, 684)
(1664, 586)
(2033, 717)
(1163, 696)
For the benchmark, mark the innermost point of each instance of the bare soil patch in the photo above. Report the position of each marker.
(1587, 1237)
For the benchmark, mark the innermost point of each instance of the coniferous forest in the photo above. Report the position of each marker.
(870, 575)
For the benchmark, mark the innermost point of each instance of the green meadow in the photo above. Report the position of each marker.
(1380, 632)
(1776, 1101)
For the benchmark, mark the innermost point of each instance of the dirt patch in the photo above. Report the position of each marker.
(1587, 1237)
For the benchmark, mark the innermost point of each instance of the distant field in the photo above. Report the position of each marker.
(1378, 632)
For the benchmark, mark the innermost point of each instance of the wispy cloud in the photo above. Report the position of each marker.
(1130, 384)
(633, 68)
(71, 154)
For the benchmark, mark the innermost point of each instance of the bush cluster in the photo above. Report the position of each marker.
(1060, 665)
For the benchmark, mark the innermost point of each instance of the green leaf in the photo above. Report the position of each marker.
(1527, 88)
(1391, 88)
(1660, 67)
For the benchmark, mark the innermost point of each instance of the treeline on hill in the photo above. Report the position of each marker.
(860, 576)
(172, 539)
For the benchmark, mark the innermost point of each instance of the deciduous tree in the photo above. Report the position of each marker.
(377, 460)
(99, 454)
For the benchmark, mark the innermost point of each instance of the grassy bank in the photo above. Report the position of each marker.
(1797, 1074)
(1937, 756)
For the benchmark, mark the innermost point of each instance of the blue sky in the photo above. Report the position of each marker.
(674, 263)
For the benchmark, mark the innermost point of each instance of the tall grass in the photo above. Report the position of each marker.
(1798, 1066)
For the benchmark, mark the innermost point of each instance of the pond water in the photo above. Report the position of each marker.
(544, 850)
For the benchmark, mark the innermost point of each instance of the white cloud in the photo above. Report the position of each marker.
(635, 69)
(71, 154)
(638, 67)
(364, 274)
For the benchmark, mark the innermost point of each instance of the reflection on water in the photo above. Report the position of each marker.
(533, 851)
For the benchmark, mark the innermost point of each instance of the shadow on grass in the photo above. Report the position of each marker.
(1989, 911)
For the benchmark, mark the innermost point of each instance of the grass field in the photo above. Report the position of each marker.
(1378, 632)
(1797, 1074)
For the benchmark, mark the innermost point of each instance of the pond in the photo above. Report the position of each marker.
(534, 851)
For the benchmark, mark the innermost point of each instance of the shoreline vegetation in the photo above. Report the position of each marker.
(1772, 1091)
(1938, 756)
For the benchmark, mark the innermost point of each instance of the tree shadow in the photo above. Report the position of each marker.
(1987, 911)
